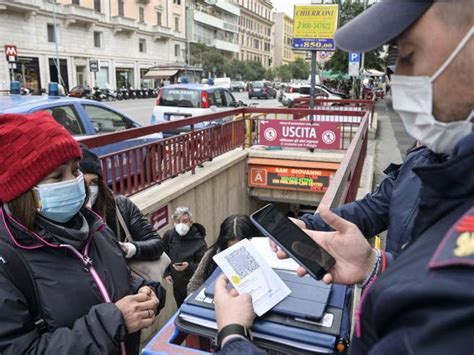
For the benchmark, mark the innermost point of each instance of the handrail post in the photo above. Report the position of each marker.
(193, 150)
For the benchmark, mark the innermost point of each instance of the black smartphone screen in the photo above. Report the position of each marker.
(293, 240)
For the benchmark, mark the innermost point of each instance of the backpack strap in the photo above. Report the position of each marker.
(16, 269)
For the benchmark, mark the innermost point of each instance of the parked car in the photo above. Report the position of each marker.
(238, 86)
(262, 89)
(81, 117)
(305, 91)
(175, 102)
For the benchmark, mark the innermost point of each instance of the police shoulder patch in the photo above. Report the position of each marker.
(457, 246)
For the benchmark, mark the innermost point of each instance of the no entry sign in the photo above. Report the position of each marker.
(300, 134)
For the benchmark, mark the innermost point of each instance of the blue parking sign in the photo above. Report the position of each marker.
(354, 57)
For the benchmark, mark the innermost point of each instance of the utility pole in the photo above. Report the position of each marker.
(60, 79)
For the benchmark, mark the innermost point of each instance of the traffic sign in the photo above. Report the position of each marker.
(93, 65)
(354, 57)
(11, 53)
(314, 27)
(354, 63)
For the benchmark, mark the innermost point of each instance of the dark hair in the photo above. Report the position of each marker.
(235, 227)
(105, 203)
(23, 208)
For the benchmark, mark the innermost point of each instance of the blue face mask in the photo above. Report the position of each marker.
(60, 201)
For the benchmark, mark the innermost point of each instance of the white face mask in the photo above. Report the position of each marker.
(182, 229)
(93, 194)
(413, 100)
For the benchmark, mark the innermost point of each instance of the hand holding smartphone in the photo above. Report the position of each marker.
(297, 244)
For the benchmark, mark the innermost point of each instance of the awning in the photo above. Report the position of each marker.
(152, 74)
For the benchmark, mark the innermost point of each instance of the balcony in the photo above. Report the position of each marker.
(228, 7)
(208, 20)
(143, 2)
(226, 46)
(25, 7)
(162, 33)
(76, 14)
(124, 25)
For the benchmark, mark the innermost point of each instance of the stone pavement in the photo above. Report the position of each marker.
(392, 141)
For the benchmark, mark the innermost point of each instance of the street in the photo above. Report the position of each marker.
(141, 109)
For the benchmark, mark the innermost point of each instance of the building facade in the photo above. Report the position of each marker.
(283, 36)
(256, 31)
(126, 36)
(214, 23)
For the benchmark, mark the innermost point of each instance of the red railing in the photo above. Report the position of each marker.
(339, 105)
(135, 169)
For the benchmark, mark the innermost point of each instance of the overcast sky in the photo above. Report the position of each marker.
(287, 5)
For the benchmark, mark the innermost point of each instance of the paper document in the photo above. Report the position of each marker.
(249, 273)
(262, 244)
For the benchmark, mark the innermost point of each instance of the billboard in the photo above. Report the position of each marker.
(314, 27)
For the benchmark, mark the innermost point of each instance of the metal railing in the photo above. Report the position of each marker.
(135, 169)
(339, 105)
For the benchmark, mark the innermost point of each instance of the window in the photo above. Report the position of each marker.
(158, 18)
(97, 39)
(142, 45)
(256, 44)
(230, 100)
(177, 2)
(76, 2)
(121, 11)
(97, 5)
(176, 24)
(106, 121)
(180, 98)
(176, 50)
(67, 117)
(218, 98)
(141, 14)
(51, 33)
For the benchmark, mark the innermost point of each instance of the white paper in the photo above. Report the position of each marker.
(249, 273)
(262, 244)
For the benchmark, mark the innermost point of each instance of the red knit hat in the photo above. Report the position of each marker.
(32, 146)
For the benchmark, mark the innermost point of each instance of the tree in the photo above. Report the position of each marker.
(284, 72)
(340, 61)
(299, 69)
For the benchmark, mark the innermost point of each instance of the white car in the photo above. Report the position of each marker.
(175, 102)
(305, 91)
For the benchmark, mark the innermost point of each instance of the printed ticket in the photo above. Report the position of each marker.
(249, 273)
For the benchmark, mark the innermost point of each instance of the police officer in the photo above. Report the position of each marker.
(423, 302)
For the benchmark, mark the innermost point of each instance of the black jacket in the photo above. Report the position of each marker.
(423, 303)
(79, 321)
(190, 248)
(145, 238)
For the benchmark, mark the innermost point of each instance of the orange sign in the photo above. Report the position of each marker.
(291, 175)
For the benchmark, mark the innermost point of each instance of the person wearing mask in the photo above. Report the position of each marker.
(232, 230)
(185, 245)
(422, 302)
(146, 244)
(88, 300)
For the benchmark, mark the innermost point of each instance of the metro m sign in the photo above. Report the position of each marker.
(10, 53)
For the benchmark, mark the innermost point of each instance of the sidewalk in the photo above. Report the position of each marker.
(392, 141)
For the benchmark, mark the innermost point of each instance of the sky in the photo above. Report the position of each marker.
(287, 5)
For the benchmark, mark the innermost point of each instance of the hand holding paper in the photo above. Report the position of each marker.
(249, 273)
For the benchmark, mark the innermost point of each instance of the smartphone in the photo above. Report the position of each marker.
(274, 224)
(179, 264)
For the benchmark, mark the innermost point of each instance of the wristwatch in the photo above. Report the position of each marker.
(232, 329)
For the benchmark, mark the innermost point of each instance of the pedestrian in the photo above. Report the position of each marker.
(422, 303)
(64, 286)
(233, 229)
(147, 243)
(185, 245)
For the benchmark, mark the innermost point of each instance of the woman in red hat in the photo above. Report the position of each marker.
(64, 285)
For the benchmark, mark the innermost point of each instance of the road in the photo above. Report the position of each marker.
(141, 109)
